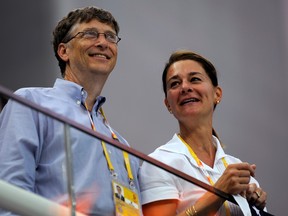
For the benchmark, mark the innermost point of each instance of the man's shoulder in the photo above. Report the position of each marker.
(31, 92)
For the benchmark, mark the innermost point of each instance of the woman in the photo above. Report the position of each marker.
(191, 94)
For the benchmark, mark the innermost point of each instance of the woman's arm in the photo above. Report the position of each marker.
(160, 208)
(208, 204)
(234, 180)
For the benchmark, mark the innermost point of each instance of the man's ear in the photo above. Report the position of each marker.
(62, 52)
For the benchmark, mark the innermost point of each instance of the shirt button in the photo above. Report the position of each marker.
(78, 102)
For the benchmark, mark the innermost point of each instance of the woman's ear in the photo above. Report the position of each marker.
(167, 105)
(218, 94)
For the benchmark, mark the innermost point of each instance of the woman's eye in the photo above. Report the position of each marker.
(174, 84)
(193, 79)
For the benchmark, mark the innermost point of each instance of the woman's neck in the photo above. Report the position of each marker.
(200, 140)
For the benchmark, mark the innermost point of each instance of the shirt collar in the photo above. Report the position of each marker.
(77, 93)
(175, 145)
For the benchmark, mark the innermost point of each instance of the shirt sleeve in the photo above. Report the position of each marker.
(19, 142)
(156, 184)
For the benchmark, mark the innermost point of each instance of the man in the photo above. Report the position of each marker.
(32, 153)
(118, 193)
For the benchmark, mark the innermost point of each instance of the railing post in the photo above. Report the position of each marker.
(69, 170)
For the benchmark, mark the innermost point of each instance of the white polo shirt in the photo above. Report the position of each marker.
(157, 184)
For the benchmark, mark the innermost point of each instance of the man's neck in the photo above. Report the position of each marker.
(92, 85)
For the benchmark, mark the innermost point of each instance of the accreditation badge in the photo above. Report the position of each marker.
(126, 200)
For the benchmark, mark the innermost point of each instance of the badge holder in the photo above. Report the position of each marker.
(125, 199)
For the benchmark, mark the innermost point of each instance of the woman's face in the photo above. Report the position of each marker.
(190, 92)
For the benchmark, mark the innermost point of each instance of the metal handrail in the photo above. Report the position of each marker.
(10, 95)
(26, 203)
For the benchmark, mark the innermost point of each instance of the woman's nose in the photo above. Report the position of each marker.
(186, 87)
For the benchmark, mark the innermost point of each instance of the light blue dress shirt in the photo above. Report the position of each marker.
(32, 152)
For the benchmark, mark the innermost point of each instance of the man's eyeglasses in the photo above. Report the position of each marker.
(94, 35)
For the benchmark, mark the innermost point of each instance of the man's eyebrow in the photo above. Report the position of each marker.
(95, 29)
(90, 29)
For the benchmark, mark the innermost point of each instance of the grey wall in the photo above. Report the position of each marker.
(25, 38)
(246, 40)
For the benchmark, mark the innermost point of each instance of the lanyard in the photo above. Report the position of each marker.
(201, 166)
(114, 136)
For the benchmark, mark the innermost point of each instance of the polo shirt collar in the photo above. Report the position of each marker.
(175, 145)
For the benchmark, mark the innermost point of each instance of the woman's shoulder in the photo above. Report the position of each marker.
(173, 154)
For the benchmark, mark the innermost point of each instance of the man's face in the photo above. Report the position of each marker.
(85, 55)
(118, 190)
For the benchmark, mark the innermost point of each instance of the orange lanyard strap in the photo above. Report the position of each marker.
(201, 166)
(107, 156)
(114, 136)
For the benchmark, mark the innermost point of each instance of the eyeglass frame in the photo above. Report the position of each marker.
(106, 34)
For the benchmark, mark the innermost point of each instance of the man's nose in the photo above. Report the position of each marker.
(101, 41)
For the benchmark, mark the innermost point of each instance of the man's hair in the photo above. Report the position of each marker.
(61, 34)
